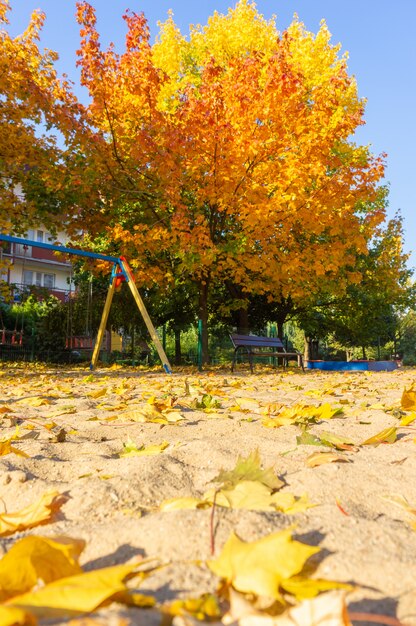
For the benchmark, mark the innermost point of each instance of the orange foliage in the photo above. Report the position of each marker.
(234, 161)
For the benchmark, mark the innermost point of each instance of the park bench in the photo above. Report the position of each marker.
(265, 347)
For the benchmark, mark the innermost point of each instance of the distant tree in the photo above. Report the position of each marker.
(369, 310)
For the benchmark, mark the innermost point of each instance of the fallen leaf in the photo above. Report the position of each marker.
(99, 393)
(388, 435)
(401, 502)
(261, 566)
(187, 502)
(7, 448)
(408, 419)
(204, 608)
(248, 468)
(320, 458)
(41, 512)
(34, 402)
(255, 496)
(37, 558)
(289, 504)
(337, 441)
(302, 415)
(11, 616)
(71, 596)
(308, 439)
(131, 449)
(408, 400)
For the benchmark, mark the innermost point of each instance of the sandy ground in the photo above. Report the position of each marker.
(114, 501)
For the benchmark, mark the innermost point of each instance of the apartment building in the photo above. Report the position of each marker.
(28, 267)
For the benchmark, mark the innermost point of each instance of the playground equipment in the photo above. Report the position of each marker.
(121, 273)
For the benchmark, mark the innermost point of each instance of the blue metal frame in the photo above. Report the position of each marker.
(92, 255)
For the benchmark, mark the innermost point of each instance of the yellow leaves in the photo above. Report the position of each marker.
(41, 577)
(204, 608)
(131, 449)
(35, 402)
(388, 435)
(261, 567)
(7, 448)
(255, 496)
(402, 502)
(249, 469)
(408, 419)
(40, 512)
(74, 595)
(99, 393)
(321, 458)
(247, 486)
(301, 415)
(37, 558)
(408, 400)
(11, 616)
(187, 502)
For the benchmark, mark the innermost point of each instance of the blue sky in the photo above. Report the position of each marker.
(378, 34)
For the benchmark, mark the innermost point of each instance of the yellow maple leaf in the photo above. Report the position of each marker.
(37, 558)
(11, 616)
(255, 496)
(408, 400)
(186, 502)
(98, 393)
(320, 458)
(7, 448)
(34, 402)
(40, 512)
(206, 607)
(73, 595)
(289, 504)
(388, 435)
(408, 419)
(261, 566)
(131, 449)
(249, 469)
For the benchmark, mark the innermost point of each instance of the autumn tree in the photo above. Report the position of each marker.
(228, 156)
(367, 312)
(43, 178)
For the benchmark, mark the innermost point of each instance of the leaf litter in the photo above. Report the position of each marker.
(186, 486)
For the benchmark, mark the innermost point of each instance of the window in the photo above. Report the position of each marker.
(38, 281)
(49, 281)
(28, 277)
(39, 236)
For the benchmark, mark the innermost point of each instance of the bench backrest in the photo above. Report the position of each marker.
(254, 341)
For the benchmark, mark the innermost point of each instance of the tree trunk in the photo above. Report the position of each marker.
(307, 349)
(311, 351)
(243, 325)
(133, 340)
(280, 320)
(178, 350)
(203, 316)
(364, 353)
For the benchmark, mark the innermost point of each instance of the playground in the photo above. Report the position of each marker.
(134, 454)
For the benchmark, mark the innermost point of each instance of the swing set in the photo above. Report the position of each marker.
(121, 273)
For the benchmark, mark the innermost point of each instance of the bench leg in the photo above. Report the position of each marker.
(234, 360)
